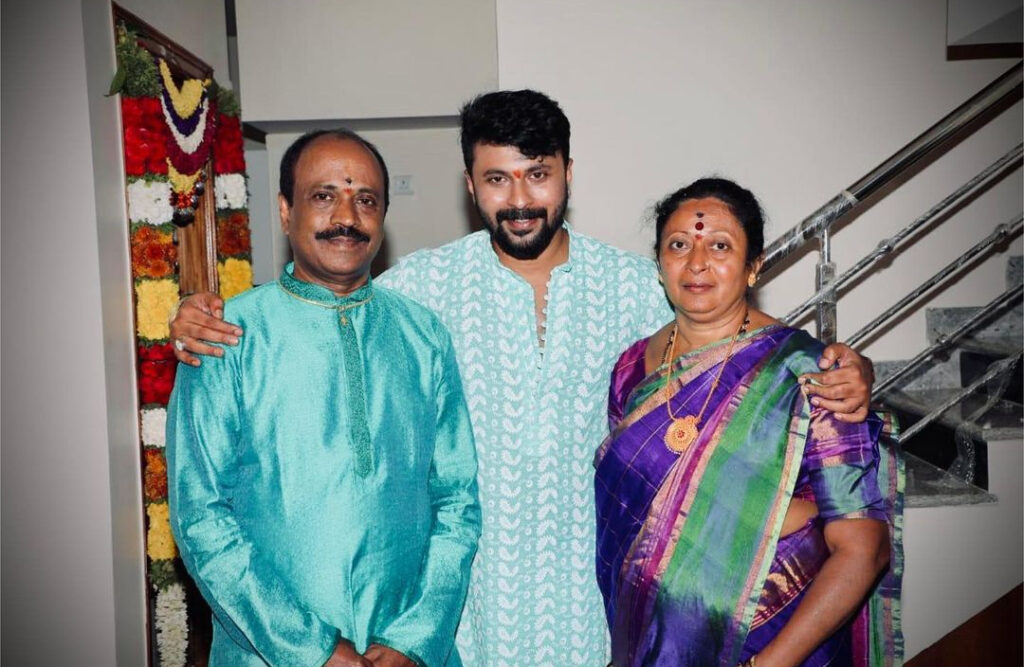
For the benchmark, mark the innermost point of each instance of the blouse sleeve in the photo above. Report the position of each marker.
(841, 467)
(627, 372)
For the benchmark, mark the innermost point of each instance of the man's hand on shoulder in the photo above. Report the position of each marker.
(197, 323)
(846, 388)
(345, 655)
(382, 656)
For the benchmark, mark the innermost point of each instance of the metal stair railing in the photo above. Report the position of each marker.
(1007, 88)
(818, 224)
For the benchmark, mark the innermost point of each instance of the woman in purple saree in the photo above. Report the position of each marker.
(737, 523)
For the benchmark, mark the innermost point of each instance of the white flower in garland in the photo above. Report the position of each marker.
(230, 189)
(154, 423)
(150, 202)
(171, 626)
(187, 144)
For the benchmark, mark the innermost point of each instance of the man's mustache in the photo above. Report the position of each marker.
(520, 214)
(341, 230)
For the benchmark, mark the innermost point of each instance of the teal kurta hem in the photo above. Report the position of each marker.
(323, 478)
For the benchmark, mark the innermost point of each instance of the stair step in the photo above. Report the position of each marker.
(1014, 271)
(929, 486)
(994, 347)
(1008, 324)
(1003, 421)
(939, 372)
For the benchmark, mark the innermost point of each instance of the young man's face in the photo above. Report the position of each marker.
(521, 200)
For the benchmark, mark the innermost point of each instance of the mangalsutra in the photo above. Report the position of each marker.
(684, 430)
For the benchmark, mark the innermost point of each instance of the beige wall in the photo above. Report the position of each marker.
(322, 59)
(794, 99)
(73, 563)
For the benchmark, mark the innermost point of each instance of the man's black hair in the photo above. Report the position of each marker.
(526, 119)
(294, 152)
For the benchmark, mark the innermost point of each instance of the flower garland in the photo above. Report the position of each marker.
(170, 134)
(186, 111)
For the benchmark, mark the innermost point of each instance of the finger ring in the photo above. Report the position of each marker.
(179, 344)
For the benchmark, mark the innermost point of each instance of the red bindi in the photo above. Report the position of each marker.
(517, 173)
(699, 236)
(348, 191)
(699, 225)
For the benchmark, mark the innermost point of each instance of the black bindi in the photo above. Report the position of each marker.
(700, 214)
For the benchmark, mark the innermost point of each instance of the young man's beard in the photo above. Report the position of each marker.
(518, 246)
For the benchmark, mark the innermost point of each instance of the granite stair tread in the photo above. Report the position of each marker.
(930, 486)
(1003, 421)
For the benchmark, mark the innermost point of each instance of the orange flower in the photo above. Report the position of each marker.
(233, 237)
(155, 483)
(154, 254)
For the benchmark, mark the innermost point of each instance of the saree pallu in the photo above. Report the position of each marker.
(689, 558)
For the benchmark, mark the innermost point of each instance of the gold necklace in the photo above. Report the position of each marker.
(684, 430)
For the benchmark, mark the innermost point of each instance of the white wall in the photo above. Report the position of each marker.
(197, 25)
(959, 560)
(73, 563)
(434, 214)
(796, 100)
(319, 59)
(58, 580)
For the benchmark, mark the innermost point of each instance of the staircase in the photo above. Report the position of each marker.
(948, 462)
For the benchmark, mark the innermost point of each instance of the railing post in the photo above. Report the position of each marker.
(824, 278)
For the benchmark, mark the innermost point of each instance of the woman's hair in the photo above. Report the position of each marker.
(741, 203)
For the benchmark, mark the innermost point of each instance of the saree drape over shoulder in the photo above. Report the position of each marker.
(689, 557)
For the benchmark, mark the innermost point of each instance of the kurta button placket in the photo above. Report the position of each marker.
(356, 390)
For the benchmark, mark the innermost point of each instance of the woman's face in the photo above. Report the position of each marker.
(703, 259)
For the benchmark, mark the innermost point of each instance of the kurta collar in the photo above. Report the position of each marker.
(319, 295)
(565, 267)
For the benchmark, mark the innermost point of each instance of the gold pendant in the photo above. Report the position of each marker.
(681, 433)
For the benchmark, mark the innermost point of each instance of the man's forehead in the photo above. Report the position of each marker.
(339, 158)
(496, 154)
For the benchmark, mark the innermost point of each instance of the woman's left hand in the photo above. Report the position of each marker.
(846, 388)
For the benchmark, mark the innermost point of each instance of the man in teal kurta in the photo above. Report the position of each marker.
(322, 472)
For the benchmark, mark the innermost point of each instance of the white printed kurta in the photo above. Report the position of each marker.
(538, 415)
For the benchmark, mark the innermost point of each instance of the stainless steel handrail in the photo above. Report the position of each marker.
(944, 341)
(887, 246)
(1000, 233)
(934, 137)
(996, 369)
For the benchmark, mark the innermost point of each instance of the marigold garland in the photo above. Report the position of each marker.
(159, 541)
(235, 276)
(155, 475)
(154, 254)
(154, 300)
(233, 235)
(187, 98)
(169, 134)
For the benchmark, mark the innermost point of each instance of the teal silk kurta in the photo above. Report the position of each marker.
(323, 478)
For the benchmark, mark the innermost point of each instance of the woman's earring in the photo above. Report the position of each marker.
(660, 279)
(752, 280)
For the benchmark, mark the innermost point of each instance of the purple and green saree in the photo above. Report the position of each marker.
(689, 557)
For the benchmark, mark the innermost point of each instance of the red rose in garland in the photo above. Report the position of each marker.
(229, 148)
(156, 380)
(145, 136)
(159, 352)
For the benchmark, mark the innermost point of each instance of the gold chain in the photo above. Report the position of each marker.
(683, 431)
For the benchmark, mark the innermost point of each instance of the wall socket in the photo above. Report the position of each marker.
(401, 184)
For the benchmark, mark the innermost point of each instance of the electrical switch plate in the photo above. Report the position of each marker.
(401, 184)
